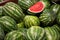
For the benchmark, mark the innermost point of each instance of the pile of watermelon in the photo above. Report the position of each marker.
(30, 20)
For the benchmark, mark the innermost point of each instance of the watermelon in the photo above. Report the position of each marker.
(35, 33)
(1, 33)
(8, 24)
(13, 10)
(46, 17)
(55, 8)
(39, 6)
(56, 28)
(31, 21)
(15, 35)
(20, 25)
(51, 34)
(25, 4)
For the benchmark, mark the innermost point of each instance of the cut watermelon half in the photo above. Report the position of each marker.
(37, 7)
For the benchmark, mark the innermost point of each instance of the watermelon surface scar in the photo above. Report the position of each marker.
(37, 7)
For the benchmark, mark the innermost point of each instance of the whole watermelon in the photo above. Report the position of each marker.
(35, 33)
(31, 21)
(46, 17)
(13, 10)
(49, 15)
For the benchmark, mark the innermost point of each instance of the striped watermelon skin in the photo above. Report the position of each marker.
(25, 4)
(57, 29)
(51, 34)
(13, 10)
(8, 24)
(35, 33)
(15, 35)
(46, 17)
(1, 33)
(55, 9)
(49, 15)
(31, 21)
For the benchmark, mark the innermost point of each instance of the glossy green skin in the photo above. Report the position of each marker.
(35, 33)
(20, 25)
(1, 33)
(46, 17)
(15, 35)
(31, 21)
(25, 4)
(13, 10)
(51, 34)
(8, 24)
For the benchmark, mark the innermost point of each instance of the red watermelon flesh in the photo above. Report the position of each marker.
(37, 7)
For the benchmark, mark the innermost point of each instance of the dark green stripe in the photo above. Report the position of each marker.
(12, 12)
(3, 25)
(10, 21)
(6, 18)
(9, 13)
(20, 14)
